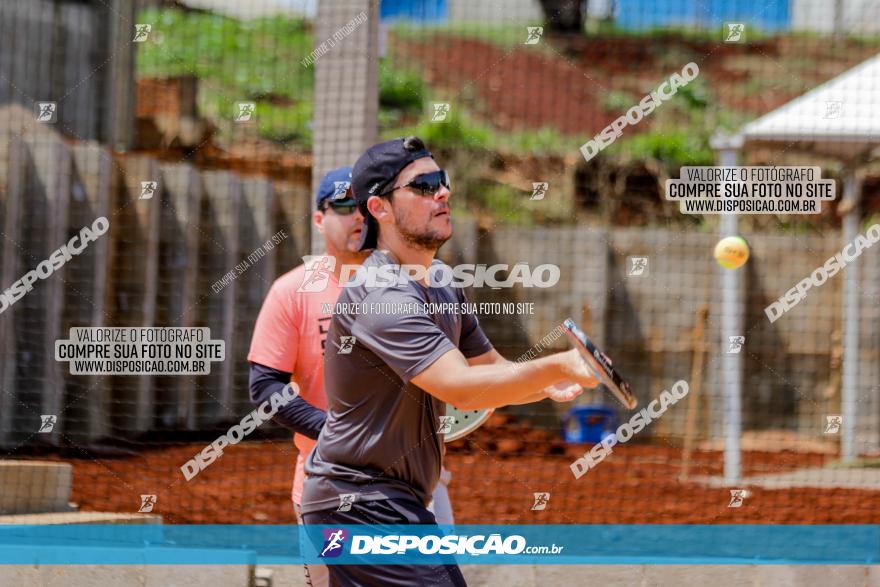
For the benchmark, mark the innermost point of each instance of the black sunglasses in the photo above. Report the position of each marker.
(341, 208)
(427, 184)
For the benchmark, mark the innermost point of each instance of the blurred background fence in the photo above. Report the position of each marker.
(162, 104)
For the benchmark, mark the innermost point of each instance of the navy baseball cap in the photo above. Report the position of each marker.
(374, 173)
(334, 186)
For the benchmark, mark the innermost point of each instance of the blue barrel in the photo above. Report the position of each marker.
(639, 15)
(588, 424)
(415, 11)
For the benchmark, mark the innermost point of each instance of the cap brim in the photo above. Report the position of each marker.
(343, 201)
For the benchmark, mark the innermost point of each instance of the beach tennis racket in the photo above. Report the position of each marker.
(599, 364)
(463, 422)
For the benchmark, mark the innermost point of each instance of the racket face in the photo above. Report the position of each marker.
(595, 359)
(466, 421)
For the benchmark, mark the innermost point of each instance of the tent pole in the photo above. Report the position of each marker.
(852, 189)
(731, 284)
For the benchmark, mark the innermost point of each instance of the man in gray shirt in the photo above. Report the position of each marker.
(390, 366)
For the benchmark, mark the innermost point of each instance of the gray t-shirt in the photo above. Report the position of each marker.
(380, 440)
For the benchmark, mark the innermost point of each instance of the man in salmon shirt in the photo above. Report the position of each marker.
(291, 332)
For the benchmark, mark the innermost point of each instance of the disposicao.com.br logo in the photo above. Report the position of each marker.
(319, 268)
(430, 544)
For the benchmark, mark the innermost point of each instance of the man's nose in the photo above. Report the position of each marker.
(443, 194)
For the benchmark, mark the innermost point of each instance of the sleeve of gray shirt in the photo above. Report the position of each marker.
(408, 342)
(474, 341)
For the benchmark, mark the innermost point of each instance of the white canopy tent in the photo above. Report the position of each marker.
(839, 119)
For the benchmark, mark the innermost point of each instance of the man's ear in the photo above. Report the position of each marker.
(377, 207)
(318, 219)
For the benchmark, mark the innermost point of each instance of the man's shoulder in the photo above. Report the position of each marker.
(291, 280)
(393, 291)
(312, 276)
(286, 286)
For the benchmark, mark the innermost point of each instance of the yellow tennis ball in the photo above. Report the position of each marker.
(732, 252)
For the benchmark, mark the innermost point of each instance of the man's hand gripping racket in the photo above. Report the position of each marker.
(460, 423)
(599, 364)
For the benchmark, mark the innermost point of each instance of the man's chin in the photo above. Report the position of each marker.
(353, 243)
(439, 239)
(444, 227)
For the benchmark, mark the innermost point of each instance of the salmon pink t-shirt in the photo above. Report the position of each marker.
(290, 335)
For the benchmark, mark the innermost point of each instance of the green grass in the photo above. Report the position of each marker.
(674, 147)
(459, 131)
(859, 463)
(249, 58)
(617, 101)
(683, 142)
(401, 89)
(258, 60)
(544, 141)
(464, 130)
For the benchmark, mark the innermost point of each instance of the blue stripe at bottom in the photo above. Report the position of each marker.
(471, 544)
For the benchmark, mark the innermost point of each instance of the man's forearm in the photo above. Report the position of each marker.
(501, 384)
(297, 415)
(530, 399)
(493, 357)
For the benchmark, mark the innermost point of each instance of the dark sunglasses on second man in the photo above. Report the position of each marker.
(343, 208)
(427, 184)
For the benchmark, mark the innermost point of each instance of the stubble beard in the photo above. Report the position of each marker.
(426, 240)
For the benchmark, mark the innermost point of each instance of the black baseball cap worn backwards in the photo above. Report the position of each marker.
(375, 171)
